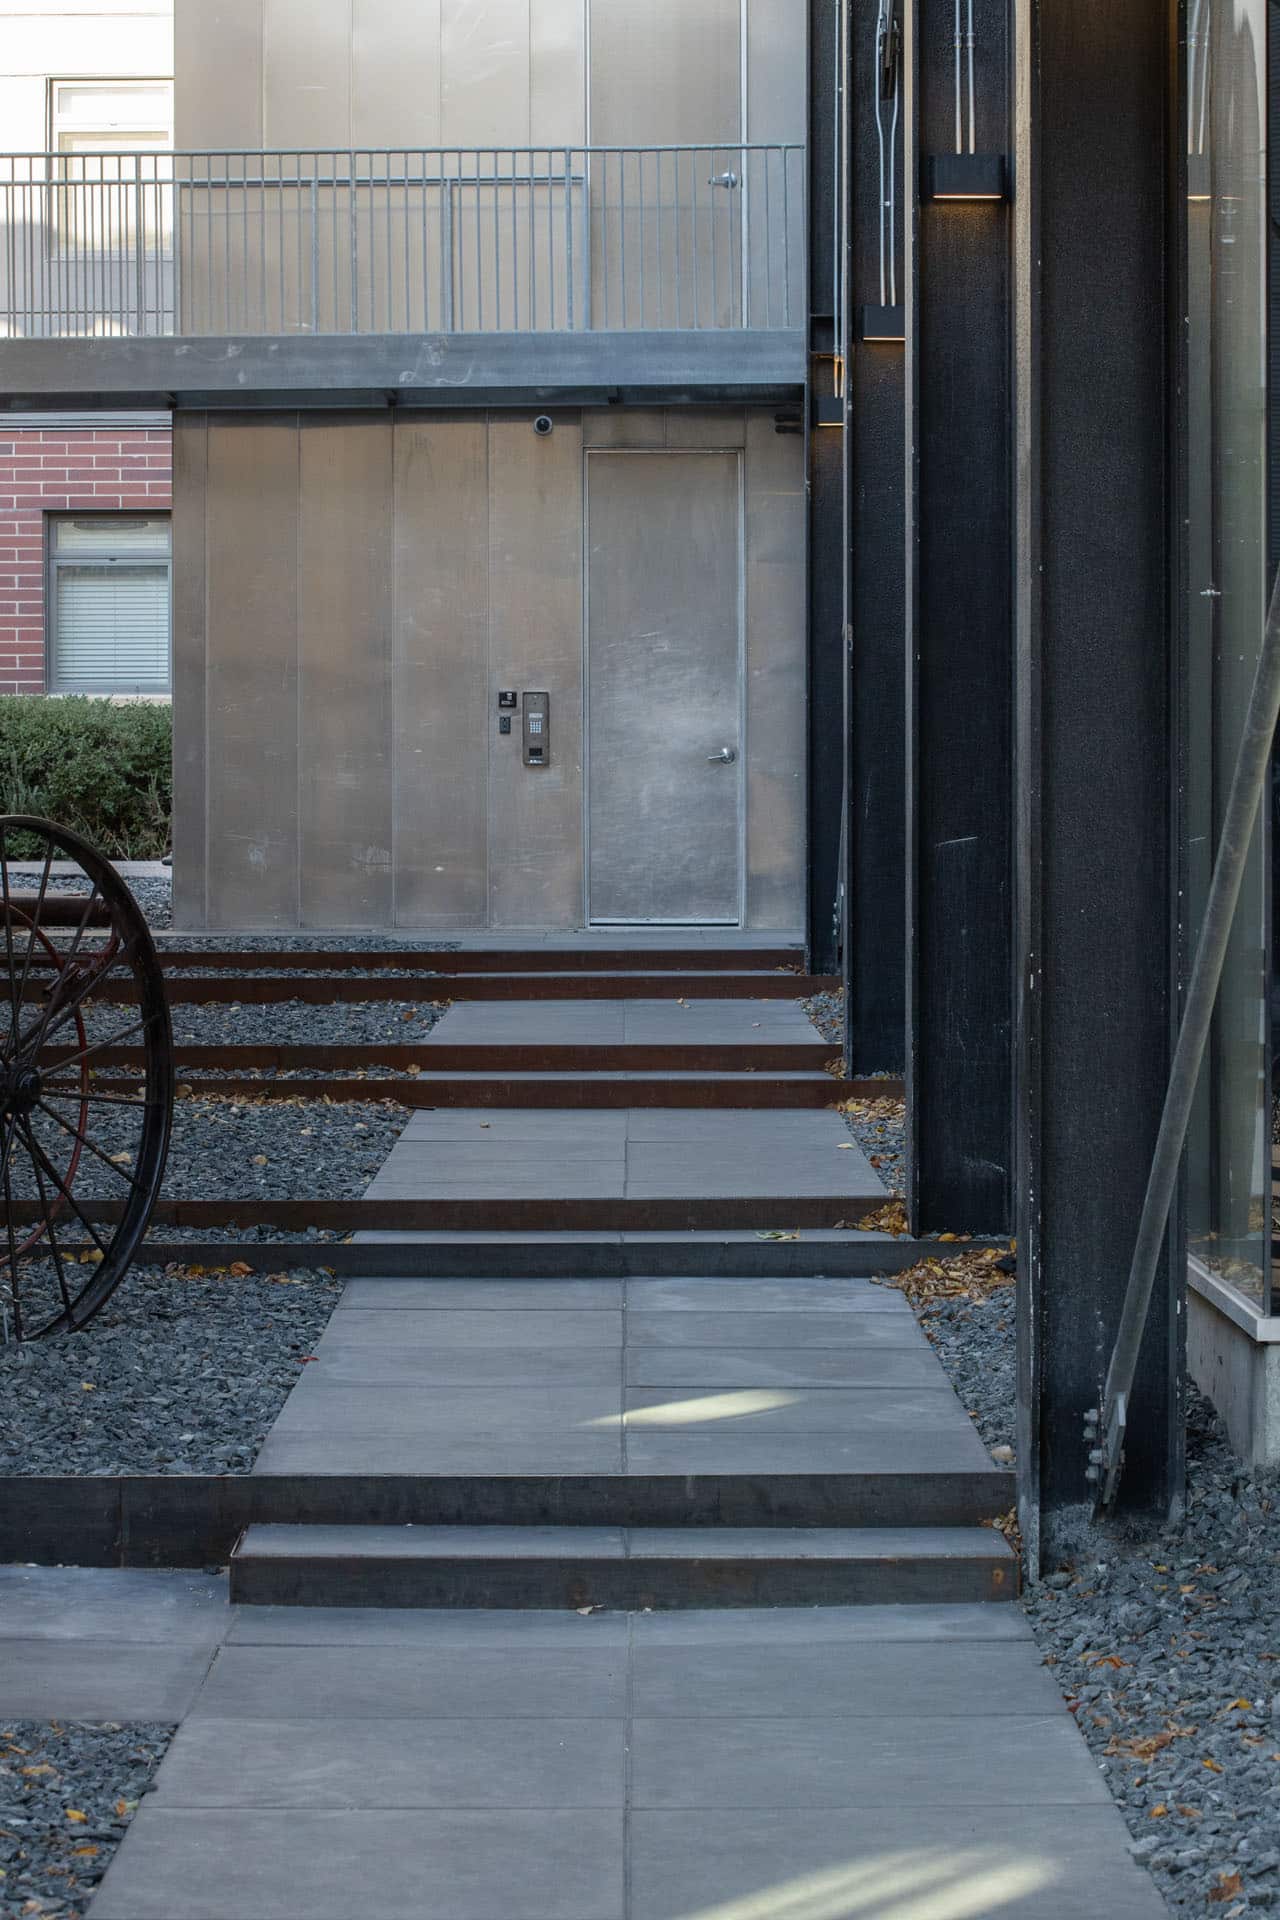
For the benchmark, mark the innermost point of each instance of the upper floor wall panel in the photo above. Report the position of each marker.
(485, 73)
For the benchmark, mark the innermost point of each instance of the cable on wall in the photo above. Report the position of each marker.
(888, 102)
(965, 86)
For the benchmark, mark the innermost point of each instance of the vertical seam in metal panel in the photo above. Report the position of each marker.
(586, 686)
(393, 675)
(298, 675)
(204, 595)
(488, 674)
(740, 460)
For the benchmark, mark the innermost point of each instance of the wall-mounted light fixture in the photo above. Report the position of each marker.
(884, 323)
(965, 174)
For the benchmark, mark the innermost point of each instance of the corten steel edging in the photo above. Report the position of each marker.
(194, 1520)
(355, 989)
(752, 1091)
(433, 1057)
(508, 1216)
(542, 960)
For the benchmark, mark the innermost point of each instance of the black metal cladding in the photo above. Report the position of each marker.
(1099, 337)
(874, 608)
(959, 646)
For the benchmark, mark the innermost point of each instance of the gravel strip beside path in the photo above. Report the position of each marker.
(1167, 1650)
(291, 1023)
(179, 1373)
(51, 1862)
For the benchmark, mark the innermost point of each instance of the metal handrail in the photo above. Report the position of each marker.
(284, 241)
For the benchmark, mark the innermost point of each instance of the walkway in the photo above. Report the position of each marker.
(847, 1763)
(605, 1665)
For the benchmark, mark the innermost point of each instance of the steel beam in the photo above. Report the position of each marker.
(469, 369)
(1098, 272)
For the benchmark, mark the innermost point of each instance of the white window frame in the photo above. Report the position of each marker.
(144, 130)
(56, 562)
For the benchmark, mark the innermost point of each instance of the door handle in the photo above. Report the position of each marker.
(724, 758)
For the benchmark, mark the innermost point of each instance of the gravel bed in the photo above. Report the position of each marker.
(70, 1790)
(1167, 1649)
(880, 1129)
(181, 1372)
(826, 1010)
(291, 1023)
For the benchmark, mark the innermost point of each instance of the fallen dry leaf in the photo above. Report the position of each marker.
(1229, 1885)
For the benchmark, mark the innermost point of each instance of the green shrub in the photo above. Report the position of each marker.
(103, 770)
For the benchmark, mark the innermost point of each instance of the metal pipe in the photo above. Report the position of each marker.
(1248, 784)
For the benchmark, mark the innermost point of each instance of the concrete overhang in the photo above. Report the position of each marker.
(754, 365)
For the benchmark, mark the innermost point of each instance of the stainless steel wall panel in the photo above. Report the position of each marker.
(776, 676)
(217, 69)
(558, 72)
(190, 461)
(395, 73)
(251, 598)
(307, 73)
(666, 73)
(535, 641)
(705, 427)
(344, 672)
(485, 72)
(777, 70)
(625, 427)
(665, 741)
(440, 713)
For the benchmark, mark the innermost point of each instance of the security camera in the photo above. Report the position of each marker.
(543, 424)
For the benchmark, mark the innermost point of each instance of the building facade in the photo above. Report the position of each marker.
(84, 496)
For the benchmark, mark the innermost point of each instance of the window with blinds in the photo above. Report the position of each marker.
(108, 618)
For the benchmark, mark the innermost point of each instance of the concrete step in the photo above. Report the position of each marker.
(619, 1568)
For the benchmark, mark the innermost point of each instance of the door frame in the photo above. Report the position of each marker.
(640, 453)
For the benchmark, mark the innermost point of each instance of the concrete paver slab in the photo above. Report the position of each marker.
(554, 1763)
(539, 1296)
(814, 1366)
(1015, 1862)
(112, 1603)
(472, 1864)
(398, 1683)
(98, 1679)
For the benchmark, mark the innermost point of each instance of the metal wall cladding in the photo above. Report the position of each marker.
(352, 594)
(487, 73)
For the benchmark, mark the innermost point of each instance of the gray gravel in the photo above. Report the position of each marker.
(826, 1010)
(1167, 1649)
(180, 1373)
(290, 1023)
(879, 1127)
(50, 1862)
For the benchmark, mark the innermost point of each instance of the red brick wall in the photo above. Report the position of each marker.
(51, 470)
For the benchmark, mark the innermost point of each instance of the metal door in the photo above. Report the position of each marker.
(664, 687)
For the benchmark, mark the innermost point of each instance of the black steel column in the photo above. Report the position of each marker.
(826, 533)
(1098, 296)
(875, 939)
(959, 631)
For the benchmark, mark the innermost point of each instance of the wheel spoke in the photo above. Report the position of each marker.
(20, 996)
(85, 1141)
(56, 1250)
(60, 1011)
(37, 1152)
(8, 941)
(102, 1099)
(40, 1027)
(5, 1154)
(100, 1046)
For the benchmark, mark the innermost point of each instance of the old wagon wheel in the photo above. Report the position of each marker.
(86, 1078)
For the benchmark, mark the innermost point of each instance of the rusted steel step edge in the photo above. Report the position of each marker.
(261, 990)
(676, 1214)
(749, 1091)
(548, 960)
(430, 1056)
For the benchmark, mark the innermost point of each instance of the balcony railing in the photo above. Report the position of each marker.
(194, 245)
